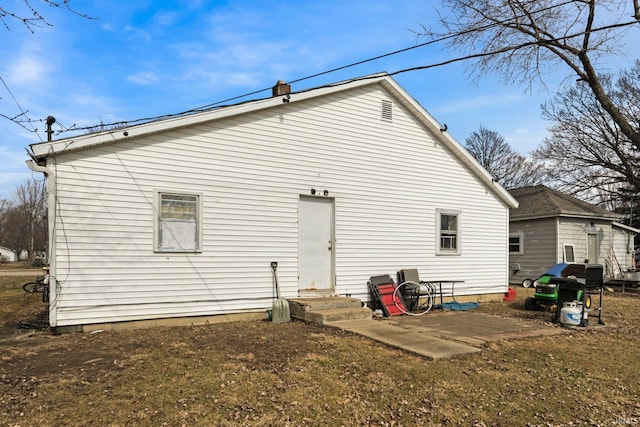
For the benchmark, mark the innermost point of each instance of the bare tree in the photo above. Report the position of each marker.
(509, 168)
(23, 220)
(524, 39)
(28, 13)
(5, 207)
(587, 153)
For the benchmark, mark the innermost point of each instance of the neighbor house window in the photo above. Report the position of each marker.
(516, 243)
(448, 232)
(569, 255)
(178, 222)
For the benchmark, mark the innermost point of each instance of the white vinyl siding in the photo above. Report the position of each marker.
(387, 179)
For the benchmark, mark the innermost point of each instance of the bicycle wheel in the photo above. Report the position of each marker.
(32, 287)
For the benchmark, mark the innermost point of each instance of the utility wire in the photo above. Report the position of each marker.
(375, 58)
(223, 103)
(509, 48)
(22, 112)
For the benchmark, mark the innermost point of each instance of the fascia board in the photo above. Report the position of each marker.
(626, 227)
(575, 215)
(48, 149)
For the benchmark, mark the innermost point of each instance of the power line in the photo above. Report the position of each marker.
(223, 103)
(22, 111)
(375, 58)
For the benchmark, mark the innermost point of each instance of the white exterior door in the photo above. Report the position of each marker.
(315, 246)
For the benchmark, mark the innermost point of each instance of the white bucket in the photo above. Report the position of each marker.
(571, 314)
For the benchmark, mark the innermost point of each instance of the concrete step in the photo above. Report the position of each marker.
(333, 315)
(327, 309)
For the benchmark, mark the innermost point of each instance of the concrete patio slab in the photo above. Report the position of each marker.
(443, 335)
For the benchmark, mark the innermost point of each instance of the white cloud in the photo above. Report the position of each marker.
(136, 33)
(526, 139)
(13, 170)
(165, 18)
(26, 69)
(239, 63)
(482, 102)
(10, 157)
(236, 53)
(28, 66)
(143, 78)
(208, 77)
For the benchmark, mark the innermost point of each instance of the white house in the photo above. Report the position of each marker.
(7, 255)
(182, 217)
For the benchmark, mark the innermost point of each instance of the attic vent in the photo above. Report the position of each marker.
(386, 110)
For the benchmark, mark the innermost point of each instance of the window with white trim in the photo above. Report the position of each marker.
(516, 243)
(448, 232)
(569, 254)
(178, 227)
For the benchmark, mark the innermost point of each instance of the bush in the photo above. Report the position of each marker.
(38, 262)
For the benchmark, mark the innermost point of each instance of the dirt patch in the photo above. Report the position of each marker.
(259, 374)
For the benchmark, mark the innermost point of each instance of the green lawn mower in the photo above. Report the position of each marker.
(545, 294)
(546, 289)
(567, 286)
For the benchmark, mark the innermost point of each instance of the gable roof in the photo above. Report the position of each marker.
(44, 150)
(540, 201)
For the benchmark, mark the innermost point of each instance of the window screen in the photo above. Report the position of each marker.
(449, 232)
(178, 228)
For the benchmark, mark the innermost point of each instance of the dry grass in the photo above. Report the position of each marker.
(261, 374)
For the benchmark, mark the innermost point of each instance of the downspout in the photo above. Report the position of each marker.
(51, 218)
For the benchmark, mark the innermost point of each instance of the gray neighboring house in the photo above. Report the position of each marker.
(550, 227)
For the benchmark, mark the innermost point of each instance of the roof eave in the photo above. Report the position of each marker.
(564, 214)
(626, 227)
(42, 150)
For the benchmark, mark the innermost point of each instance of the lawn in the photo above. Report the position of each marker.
(262, 374)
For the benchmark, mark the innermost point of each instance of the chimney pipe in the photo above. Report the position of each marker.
(281, 88)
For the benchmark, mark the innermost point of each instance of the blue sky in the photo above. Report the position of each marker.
(144, 58)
